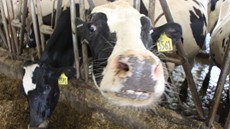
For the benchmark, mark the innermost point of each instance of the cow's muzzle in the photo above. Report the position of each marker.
(139, 72)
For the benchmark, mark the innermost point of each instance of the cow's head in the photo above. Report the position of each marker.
(40, 85)
(124, 70)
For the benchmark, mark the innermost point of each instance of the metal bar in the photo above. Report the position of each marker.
(91, 4)
(82, 9)
(84, 45)
(185, 63)
(5, 26)
(3, 37)
(22, 28)
(85, 60)
(58, 12)
(151, 12)
(20, 9)
(74, 36)
(12, 31)
(52, 14)
(40, 23)
(137, 4)
(35, 27)
(173, 60)
(220, 86)
(227, 124)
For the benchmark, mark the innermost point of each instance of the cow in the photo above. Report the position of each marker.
(197, 18)
(125, 71)
(220, 38)
(220, 35)
(40, 86)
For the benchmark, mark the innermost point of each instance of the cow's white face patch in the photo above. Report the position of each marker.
(133, 75)
(27, 81)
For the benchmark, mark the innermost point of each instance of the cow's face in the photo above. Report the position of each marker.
(124, 70)
(40, 84)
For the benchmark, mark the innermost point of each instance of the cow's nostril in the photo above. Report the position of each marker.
(123, 66)
(158, 71)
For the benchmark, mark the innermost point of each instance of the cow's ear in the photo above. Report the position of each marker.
(172, 30)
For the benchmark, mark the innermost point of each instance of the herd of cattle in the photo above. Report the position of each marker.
(122, 42)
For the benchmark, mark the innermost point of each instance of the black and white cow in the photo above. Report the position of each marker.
(196, 17)
(220, 38)
(40, 85)
(220, 35)
(124, 70)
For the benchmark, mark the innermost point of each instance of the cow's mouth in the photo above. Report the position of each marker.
(131, 97)
(132, 94)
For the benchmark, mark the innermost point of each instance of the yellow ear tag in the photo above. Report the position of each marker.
(164, 43)
(63, 79)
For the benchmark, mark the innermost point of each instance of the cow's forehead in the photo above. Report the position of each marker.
(125, 21)
(120, 12)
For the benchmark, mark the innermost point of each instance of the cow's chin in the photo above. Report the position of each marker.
(135, 99)
(139, 98)
(123, 91)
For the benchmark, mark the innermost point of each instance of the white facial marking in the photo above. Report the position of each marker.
(28, 85)
(127, 27)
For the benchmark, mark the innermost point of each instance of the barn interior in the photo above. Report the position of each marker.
(81, 105)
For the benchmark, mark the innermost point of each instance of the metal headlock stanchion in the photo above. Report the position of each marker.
(40, 23)
(58, 12)
(137, 4)
(22, 27)
(4, 22)
(151, 12)
(185, 63)
(3, 37)
(220, 87)
(34, 18)
(74, 36)
(12, 30)
(91, 4)
(39, 28)
(84, 45)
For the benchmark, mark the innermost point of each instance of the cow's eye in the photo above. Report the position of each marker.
(151, 31)
(92, 28)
